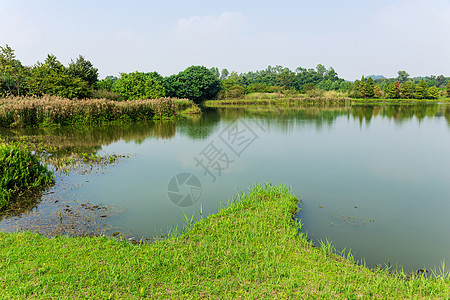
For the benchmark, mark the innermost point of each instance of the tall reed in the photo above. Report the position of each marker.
(47, 110)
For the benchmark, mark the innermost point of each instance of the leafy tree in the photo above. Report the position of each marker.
(13, 76)
(363, 88)
(433, 92)
(377, 93)
(421, 90)
(196, 83)
(107, 83)
(407, 90)
(440, 81)
(397, 89)
(402, 76)
(370, 85)
(224, 75)
(321, 70)
(355, 89)
(215, 71)
(448, 89)
(140, 85)
(84, 70)
(52, 78)
(391, 91)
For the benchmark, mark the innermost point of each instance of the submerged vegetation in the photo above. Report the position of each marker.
(252, 249)
(21, 173)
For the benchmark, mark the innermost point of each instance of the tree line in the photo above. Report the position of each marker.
(80, 80)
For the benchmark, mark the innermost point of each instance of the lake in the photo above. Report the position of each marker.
(373, 179)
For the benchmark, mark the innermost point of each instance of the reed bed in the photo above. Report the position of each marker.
(51, 110)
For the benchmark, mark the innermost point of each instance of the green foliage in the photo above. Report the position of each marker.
(407, 90)
(448, 89)
(52, 78)
(402, 77)
(391, 91)
(107, 83)
(196, 83)
(84, 70)
(370, 85)
(13, 76)
(421, 90)
(20, 172)
(433, 92)
(139, 85)
(377, 93)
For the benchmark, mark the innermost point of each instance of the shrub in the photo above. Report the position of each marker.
(21, 172)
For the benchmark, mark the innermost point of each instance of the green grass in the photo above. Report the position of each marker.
(251, 250)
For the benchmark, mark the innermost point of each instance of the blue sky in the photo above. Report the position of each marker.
(354, 37)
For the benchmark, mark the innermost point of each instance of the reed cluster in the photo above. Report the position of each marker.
(48, 110)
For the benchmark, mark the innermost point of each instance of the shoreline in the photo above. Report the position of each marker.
(252, 249)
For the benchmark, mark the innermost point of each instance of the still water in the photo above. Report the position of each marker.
(373, 179)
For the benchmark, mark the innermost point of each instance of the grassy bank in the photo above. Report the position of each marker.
(48, 110)
(250, 250)
(21, 173)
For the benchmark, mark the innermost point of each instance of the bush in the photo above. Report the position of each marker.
(20, 172)
(196, 83)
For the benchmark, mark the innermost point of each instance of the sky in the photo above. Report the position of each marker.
(354, 37)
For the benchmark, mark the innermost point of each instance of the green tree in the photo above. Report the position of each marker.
(370, 85)
(224, 75)
(196, 83)
(363, 88)
(433, 92)
(421, 90)
(402, 76)
(107, 83)
(215, 71)
(84, 70)
(391, 92)
(448, 89)
(13, 76)
(140, 85)
(52, 78)
(321, 70)
(377, 93)
(407, 90)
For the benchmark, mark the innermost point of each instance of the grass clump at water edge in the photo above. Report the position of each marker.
(251, 249)
(20, 173)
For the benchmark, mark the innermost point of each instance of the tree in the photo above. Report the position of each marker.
(224, 75)
(139, 85)
(84, 70)
(402, 76)
(215, 71)
(421, 90)
(377, 91)
(407, 90)
(448, 89)
(196, 83)
(391, 91)
(13, 76)
(107, 83)
(52, 78)
(370, 88)
(433, 92)
(363, 88)
(321, 70)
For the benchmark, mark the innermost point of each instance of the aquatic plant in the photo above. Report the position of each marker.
(20, 172)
